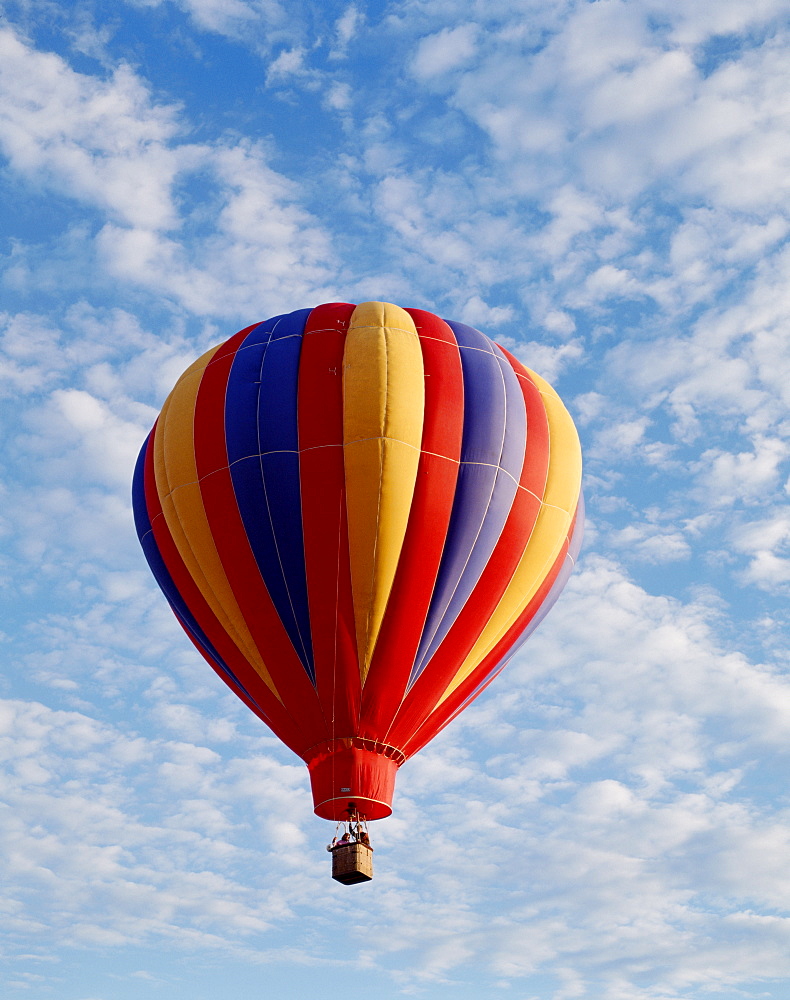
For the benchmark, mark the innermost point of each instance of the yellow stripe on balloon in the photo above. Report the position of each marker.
(182, 505)
(558, 505)
(383, 408)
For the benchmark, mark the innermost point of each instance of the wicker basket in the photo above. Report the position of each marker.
(352, 863)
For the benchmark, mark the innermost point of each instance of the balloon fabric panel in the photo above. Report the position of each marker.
(324, 518)
(261, 429)
(383, 404)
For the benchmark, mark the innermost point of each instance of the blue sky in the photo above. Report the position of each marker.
(603, 188)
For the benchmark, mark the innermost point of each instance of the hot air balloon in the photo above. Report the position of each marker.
(358, 513)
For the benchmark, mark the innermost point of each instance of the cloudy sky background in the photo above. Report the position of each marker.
(603, 188)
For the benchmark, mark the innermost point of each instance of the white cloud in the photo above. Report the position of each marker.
(726, 477)
(611, 109)
(445, 51)
(266, 252)
(695, 25)
(92, 443)
(290, 62)
(548, 361)
(476, 312)
(242, 20)
(108, 144)
(97, 872)
(767, 544)
(30, 358)
(346, 27)
(104, 142)
(338, 97)
(650, 543)
(620, 438)
(603, 788)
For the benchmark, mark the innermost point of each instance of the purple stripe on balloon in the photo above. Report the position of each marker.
(492, 455)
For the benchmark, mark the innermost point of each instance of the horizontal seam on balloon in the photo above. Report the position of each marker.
(290, 451)
(433, 454)
(480, 350)
(261, 343)
(499, 468)
(316, 447)
(385, 326)
(439, 340)
(482, 465)
(382, 437)
(324, 329)
(555, 506)
(387, 746)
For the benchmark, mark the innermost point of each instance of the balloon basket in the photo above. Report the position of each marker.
(352, 863)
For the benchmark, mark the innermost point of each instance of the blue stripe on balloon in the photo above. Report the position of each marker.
(492, 454)
(262, 437)
(160, 572)
(241, 398)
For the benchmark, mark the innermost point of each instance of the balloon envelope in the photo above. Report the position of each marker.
(357, 514)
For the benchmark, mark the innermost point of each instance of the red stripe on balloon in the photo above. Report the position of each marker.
(233, 548)
(324, 519)
(429, 517)
(269, 708)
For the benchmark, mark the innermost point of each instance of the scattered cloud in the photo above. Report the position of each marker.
(445, 51)
(603, 188)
